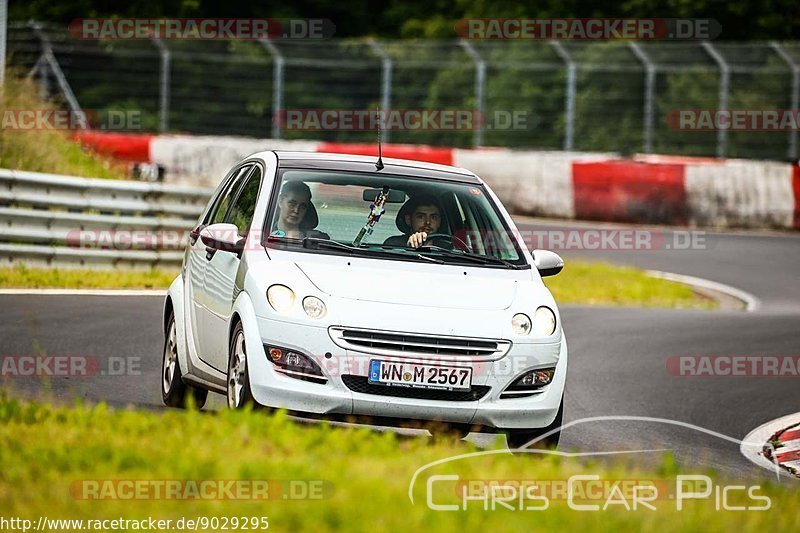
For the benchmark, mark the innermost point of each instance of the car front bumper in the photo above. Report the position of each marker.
(341, 366)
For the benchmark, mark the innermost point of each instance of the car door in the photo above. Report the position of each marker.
(221, 270)
(197, 261)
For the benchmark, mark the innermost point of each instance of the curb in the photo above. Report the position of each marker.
(751, 303)
(781, 450)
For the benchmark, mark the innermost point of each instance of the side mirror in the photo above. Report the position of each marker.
(547, 263)
(223, 237)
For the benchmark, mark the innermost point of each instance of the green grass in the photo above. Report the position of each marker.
(48, 453)
(43, 278)
(43, 150)
(579, 283)
(603, 284)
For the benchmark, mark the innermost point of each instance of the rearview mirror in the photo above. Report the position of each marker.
(223, 237)
(395, 196)
(547, 263)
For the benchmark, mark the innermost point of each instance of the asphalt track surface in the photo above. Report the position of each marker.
(617, 355)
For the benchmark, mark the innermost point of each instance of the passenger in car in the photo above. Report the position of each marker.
(297, 217)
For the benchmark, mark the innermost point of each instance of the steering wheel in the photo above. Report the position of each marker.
(445, 240)
(437, 239)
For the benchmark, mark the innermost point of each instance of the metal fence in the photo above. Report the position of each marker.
(593, 96)
(65, 221)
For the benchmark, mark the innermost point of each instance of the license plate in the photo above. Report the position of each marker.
(401, 374)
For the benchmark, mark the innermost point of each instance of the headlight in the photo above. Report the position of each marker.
(521, 324)
(544, 322)
(314, 307)
(280, 297)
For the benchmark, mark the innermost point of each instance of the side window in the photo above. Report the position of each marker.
(241, 214)
(220, 208)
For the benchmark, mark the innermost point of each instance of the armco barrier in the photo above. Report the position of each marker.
(658, 189)
(44, 217)
(64, 257)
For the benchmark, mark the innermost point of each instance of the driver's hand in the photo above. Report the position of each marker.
(417, 239)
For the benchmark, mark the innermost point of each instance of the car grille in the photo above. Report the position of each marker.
(399, 343)
(361, 384)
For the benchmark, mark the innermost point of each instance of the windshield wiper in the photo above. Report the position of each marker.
(384, 249)
(310, 242)
(477, 258)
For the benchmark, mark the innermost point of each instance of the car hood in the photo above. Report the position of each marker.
(449, 290)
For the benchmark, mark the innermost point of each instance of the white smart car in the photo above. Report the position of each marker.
(338, 285)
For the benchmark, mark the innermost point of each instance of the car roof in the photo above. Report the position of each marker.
(363, 162)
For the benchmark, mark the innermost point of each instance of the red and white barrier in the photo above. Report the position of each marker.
(590, 186)
(537, 183)
(742, 193)
(123, 146)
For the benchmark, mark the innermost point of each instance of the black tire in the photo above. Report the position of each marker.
(174, 392)
(518, 438)
(238, 374)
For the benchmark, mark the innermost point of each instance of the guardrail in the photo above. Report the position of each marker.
(68, 221)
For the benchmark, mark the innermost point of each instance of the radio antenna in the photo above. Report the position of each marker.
(379, 162)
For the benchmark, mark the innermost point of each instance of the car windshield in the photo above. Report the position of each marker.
(391, 216)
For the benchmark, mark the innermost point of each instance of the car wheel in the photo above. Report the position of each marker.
(239, 393)
(519, 438)
(174, 392)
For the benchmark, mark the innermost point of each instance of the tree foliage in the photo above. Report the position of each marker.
(740, 19)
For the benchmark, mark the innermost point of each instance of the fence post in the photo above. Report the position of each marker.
(163, 95)
(3, 30)
(480, 84)
(50, 58)
(795, 96)
(44, 77)
(277, 87)
(649, 91)
(386, 82)
(724, 87)
(569, 119)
